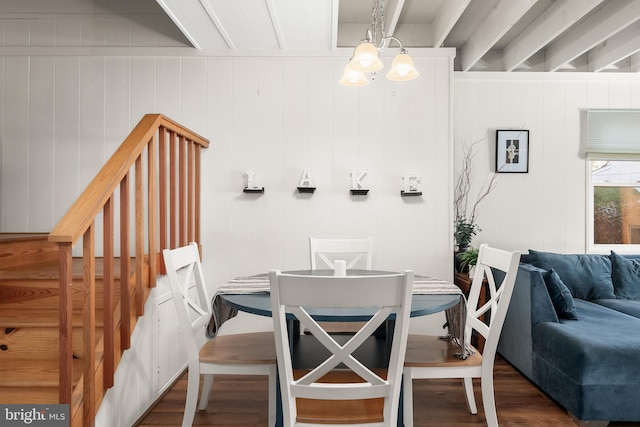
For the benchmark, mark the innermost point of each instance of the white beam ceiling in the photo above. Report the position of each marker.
(491, 35)
(449, 13)
(505, 14)
(559, 17)
(618, 47)
(196, 23)
(597, 28)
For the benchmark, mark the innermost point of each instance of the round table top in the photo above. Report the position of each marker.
(349, 272)
(260, 303)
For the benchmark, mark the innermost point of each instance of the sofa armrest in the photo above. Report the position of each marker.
(530, 304)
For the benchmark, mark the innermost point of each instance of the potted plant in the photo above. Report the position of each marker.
(464, 232)
(465, 219)
(468, 260)
(465, 225)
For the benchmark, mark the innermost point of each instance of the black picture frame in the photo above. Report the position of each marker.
(512, 151)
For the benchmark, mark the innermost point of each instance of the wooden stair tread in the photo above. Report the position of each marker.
(45, 270)
(24, 249)
(49, 270)
(29, 395)
(34, 373)
(40, 317)
(17, 237)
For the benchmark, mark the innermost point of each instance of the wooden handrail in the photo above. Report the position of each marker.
(78, 218)
(170, 210)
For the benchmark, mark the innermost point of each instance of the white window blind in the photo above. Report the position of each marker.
(613, 134)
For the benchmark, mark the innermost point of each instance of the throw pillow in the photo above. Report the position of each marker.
(560, 296)
(625, 273)
(588, 277)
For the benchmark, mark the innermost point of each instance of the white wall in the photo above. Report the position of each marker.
(62, 116)
(545, 208)
(98, 23)
(278, 116)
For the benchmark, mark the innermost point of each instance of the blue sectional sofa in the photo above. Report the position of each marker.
(573, 328)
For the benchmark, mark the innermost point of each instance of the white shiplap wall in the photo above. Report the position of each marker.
(289, 115)
(544, 209)
(96, 23)
(63, 116)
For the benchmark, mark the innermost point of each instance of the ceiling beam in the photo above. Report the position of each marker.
(602, 24)
(196, 23)
(335, 8)
(552, 22)
(504, 15)
(618, 47)
(392, 15)
(634, 62)
(277, 28)
(446, 18)
(295, 24)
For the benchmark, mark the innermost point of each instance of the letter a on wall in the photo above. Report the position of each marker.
(306, 180)
(306, 184)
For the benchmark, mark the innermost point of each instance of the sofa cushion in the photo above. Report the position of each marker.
(601, 348)
(630, 307)
(625, 274)
(587, 276)
(560, 296)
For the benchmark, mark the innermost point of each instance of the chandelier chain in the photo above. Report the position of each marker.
(377, 24)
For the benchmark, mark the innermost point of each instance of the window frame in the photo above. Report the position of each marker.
(592, 247)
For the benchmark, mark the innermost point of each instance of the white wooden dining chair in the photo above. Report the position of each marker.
(235, 354)
(432, 357)
(358, 253)
(340, 387)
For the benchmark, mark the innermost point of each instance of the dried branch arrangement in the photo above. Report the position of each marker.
(465, 221)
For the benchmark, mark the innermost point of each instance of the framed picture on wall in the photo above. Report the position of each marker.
(512, 151)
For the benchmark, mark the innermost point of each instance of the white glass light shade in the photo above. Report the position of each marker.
(402, 68)
(352, 77)
(366, 59)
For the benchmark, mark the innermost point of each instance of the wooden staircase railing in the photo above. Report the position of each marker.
(164, 214)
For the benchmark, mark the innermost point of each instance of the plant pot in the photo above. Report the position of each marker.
(456, 261)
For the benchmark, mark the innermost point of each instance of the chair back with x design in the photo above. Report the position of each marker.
(299, 295)
(431, 357)
(498, 269)
(189, 292)
(232, 354)
(356, 252)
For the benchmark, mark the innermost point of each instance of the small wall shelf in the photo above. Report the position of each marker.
(410, 193)
(306, 189)
(359, 191)
(259, 190)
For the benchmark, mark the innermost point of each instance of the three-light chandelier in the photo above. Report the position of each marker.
(366, 56)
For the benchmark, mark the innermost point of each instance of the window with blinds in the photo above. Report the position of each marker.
(613, 156)
(613, 134)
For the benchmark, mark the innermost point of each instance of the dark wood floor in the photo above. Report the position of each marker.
(242, 401)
